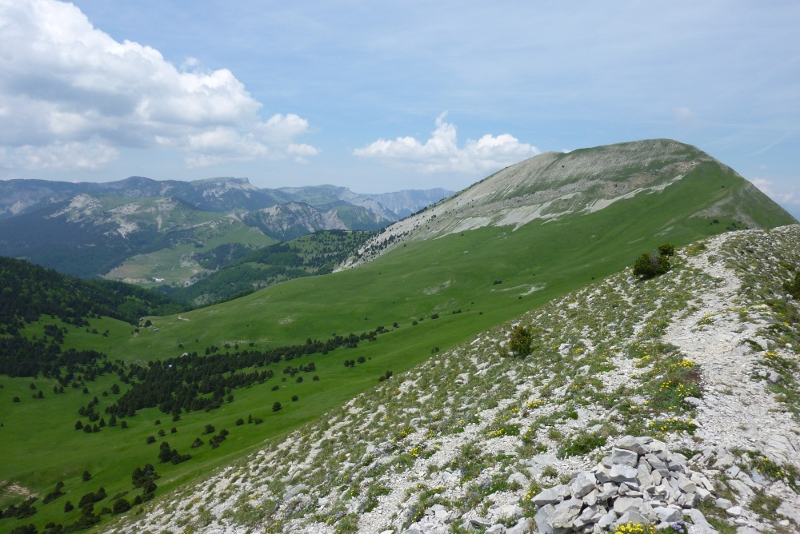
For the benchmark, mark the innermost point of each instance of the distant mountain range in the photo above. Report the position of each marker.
(90, 229)
(221, 195)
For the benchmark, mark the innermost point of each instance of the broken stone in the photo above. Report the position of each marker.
(646, 510)
(583, 484)
(602, 474)
(623, 457)
(523, 526)
(631, 516)
(623, 473)
(480, 522)
(686, 485)
(723, 503)
(688, 500)
(564, 515)
(703, 494)
(604, 522)
(733, 471)
(658, 464)
(624, 504)
(548, 496)
(630, 443)
(542, 517)
(699, 523)
(591, 498)
(668, 515)
(734, 511)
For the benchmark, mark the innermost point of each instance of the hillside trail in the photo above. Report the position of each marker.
(737, 410)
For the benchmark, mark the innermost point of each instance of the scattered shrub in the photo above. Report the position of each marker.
(520, 342)
(121, 506)
(219, 438)
(651, 265)
(666, 249)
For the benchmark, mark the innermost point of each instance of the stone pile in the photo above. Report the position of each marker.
(640, 482)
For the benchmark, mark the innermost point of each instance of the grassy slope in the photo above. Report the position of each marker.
(320, 250)
(174, 264)
(40, 445)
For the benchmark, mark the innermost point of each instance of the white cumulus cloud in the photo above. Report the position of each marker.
(64, 83)
(441, 153)
(782, 197)
(59, 156)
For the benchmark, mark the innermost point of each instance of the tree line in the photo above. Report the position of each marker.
(183, 383)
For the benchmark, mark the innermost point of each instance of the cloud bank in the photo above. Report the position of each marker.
(70, 95)
(440, 153)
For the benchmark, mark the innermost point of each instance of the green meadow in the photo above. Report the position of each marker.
(175, 264)
(457, 273)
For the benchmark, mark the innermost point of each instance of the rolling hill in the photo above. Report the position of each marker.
(509, 244)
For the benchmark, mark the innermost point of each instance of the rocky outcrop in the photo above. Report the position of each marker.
(641, 481)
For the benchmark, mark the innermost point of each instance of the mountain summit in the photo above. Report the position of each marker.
(555, 185)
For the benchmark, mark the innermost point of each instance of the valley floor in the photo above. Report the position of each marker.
(703, 359)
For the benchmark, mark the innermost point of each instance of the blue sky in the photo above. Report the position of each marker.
(382, 96)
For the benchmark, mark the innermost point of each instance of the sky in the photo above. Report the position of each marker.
(383, 96)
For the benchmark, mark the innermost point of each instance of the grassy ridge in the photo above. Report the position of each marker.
(537, 262)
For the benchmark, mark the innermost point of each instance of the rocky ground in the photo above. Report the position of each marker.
(672, 401)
